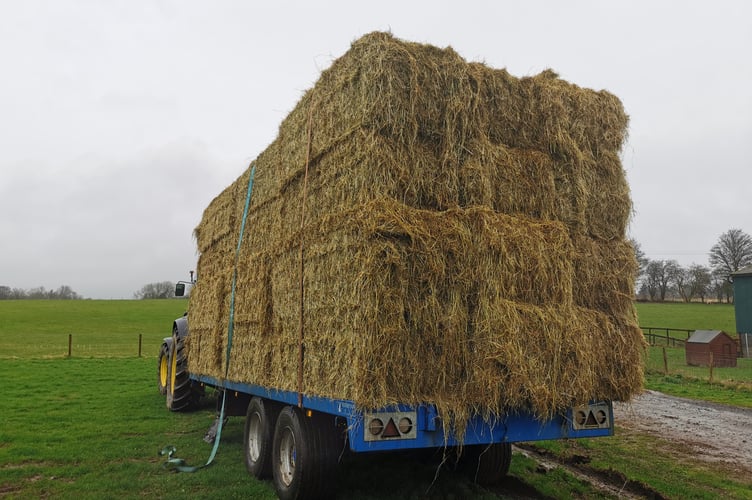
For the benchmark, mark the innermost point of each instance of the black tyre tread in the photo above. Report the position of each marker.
(326, 450)
(488, 464)
(164, 352)
(181, 397)
(268, 411)
(317, 450)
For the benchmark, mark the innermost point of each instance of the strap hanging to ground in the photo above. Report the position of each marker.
(178, 464)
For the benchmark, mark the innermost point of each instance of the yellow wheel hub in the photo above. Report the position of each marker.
(173, 366)
(163, 371)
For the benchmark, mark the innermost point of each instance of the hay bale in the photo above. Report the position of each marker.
(456, 217)
(604, 276)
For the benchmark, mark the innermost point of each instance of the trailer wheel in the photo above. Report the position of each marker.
(163, 369)
(304, 455)
(487, 464)
(258, 435)
(179, 391)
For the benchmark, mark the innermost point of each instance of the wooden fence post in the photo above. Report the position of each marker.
(665, 362)
(711, 366)
(139, 344)
(70, 344)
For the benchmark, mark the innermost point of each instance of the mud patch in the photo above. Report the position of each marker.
(609, 481)
(709, 432)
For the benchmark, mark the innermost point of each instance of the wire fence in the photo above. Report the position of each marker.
(81, 344)
(667, 355)
(671, 337)
(70, 345)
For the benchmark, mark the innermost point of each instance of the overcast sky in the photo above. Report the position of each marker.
(121, 120)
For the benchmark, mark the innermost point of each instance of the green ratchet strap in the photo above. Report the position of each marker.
(178, 464)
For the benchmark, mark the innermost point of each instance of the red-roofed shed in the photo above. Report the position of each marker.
(703, 342)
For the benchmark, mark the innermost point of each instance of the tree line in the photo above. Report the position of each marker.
(64, 292)
(159, 290)
(661, 280)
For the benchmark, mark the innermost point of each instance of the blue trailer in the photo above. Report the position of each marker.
(297, 439)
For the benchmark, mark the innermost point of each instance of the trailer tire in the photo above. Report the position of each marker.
(163, 369)
(487, 464)
(258, 436)
(180, 395)
(304, 455)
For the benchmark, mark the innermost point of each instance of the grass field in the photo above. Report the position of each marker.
(108, 328)
(692, 316)
(91, 426)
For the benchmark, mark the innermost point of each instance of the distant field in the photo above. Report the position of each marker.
(729, 385)
(111, 327)
(100, 328)
(693, 316)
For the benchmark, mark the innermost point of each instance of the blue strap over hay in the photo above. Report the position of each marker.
(178, 464)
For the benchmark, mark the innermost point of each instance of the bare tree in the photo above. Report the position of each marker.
(161, 290)
(38, 293)
(700, 279)
(659, 276)
(681, 282)
(642, 260)
(717, 286)
(66, 293)
(732, 252)
(692, 282)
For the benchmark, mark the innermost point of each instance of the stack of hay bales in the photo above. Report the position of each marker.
(463, 242)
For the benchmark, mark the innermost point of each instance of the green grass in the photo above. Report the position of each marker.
(692, 316)
(556, 483)
(660, 464)
(98, 327)
(732, 386)
(724, 392)
(91, 426)
(676, 362)
(729, 385)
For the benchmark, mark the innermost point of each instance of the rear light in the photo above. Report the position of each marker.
(376, 427)
(390, 425)
(405, 425)
(592, 416)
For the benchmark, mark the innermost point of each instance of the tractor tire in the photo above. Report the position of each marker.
(487, 464)
(180, 394)
(258, 435)
(163, 369)
(305, 451)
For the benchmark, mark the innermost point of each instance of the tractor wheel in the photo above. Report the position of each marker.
(304, 455)
(487, 464)
(180, 394)
(259, 432)
(163, 369)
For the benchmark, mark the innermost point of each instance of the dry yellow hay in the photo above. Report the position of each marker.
(464, 242)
